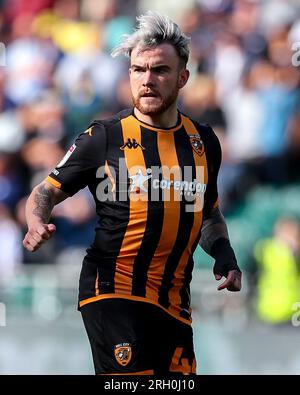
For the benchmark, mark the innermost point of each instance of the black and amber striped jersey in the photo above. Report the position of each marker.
(152, 188)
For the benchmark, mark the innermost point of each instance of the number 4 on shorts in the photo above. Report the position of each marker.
(181, 365)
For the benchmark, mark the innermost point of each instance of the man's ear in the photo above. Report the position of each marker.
(183, 78)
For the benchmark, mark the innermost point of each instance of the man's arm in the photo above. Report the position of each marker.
(75, 171)
(39, 207)
(215, 242)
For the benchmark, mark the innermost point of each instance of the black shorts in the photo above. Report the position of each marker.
(132, 337)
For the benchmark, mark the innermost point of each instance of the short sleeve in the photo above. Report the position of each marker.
(78, 167)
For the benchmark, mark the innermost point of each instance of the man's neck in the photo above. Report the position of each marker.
(166, 120)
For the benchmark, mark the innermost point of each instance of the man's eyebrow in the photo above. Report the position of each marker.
(137, 65)
(158, 66)
(161, 66)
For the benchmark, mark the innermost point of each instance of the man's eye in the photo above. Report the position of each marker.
(161, 70)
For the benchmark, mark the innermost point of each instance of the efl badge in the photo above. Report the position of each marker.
(67, 156)
(123, 353)
(197, 144)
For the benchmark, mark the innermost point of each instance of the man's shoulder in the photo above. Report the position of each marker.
(106, 123)
(209, 138)
(201, 127)
(204, 129)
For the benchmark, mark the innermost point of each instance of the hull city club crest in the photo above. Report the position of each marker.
(123, 353)
(197, 144)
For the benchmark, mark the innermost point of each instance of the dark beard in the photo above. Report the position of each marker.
(159, 108)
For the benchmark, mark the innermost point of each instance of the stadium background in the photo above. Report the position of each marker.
(56, 75)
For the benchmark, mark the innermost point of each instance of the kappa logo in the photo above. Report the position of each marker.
(197, 144)
(89, 131)
(132, 144)
(123, 353)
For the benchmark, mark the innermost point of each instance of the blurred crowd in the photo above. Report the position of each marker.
(57, 75)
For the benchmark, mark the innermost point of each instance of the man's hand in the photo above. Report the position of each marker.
(233, 281)
(215, 242)
(37, 235)
(226, 266)
(38, 210)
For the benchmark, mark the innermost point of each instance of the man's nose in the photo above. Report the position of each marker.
(148, 78)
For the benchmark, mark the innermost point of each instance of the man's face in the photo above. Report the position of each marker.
(155, 78)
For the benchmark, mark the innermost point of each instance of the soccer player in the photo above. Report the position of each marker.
(153, 174)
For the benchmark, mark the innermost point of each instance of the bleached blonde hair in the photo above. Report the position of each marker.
(155, 29)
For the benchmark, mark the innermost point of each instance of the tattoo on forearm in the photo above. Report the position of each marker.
(214, 227)
(44, 203)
